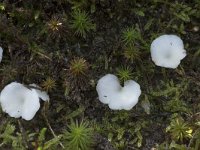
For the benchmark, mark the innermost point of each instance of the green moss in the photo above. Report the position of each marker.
(81, 23)
(78, 136)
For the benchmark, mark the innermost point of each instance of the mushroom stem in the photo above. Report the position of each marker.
(164, 73)
(24, 136)
(49, 125)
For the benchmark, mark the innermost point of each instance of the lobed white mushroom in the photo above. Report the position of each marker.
(167, 51)
(20, 101)
(1, 53)
(117, 97)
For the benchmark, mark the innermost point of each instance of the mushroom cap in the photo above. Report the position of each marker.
(1, 53)
(117, 97)
(167, 51)
(19, 101)
(42, 94)
(107, 86)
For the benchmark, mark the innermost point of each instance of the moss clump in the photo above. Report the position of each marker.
(78, 136)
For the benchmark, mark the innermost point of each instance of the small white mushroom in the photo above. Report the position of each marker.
(117, 97)
(20, 101)
(167, 51)
(1, 53)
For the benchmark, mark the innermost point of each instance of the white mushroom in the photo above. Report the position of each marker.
(20, 101)
(1, 53)
(167, 51)
(117, 97)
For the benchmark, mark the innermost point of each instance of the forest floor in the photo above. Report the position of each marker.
(43, 41)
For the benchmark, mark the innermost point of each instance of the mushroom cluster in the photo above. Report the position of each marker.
(117, 97)
(167, 51)
(20, 101)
